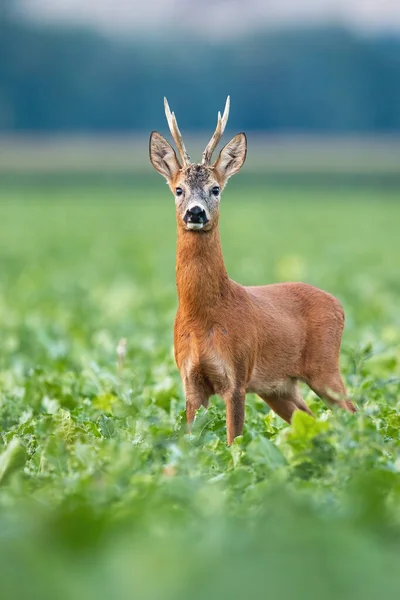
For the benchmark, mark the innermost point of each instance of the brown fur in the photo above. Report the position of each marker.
(230, 339)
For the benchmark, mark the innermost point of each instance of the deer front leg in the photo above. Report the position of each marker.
(196, 395)
(235, 401)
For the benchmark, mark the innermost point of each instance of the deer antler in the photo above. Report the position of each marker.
(219, 132)
(176, 134)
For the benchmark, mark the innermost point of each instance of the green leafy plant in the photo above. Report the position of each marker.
(102, 490)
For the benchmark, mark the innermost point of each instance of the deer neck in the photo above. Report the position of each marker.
(201, 276)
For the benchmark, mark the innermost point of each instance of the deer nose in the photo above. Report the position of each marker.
(195, 214)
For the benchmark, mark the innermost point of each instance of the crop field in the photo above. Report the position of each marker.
(102, 492)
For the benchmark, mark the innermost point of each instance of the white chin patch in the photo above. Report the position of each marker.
(195, 226)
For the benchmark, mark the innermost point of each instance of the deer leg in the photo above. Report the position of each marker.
(285, 404)
(196, 396)
(235, 401)
(330, 387)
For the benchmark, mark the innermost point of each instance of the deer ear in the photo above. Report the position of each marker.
(162, 156)
(231, 157)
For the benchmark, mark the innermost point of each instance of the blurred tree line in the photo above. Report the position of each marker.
(321, 80)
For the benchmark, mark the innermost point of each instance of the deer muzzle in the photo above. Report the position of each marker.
(196, 217)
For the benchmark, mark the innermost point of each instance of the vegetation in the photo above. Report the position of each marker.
(102, 492)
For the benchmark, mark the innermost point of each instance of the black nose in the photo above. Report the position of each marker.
(196, 214)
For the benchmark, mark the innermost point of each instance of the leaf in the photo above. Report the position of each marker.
(106, 425)
(304, 428)
(262, 450)
(105, 402)
(12, 459)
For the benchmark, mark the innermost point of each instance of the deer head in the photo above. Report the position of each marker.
(197, 187)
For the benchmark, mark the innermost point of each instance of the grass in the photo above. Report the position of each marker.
(102, 493)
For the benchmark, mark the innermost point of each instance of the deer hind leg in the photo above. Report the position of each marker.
(235, 403)
(284, 404)
(330, 387)
(323, 374)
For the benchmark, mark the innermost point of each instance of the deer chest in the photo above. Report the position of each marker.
(203, 357)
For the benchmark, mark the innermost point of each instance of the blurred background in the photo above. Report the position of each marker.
(315, 83)
(102, 493)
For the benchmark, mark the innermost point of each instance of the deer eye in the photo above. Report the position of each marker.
(179, 191)
(215, 190)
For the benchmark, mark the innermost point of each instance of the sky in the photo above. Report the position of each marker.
(216, 17)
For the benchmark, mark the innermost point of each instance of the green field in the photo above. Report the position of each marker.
(102, 493)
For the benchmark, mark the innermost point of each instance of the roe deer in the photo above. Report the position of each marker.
(230, 339)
